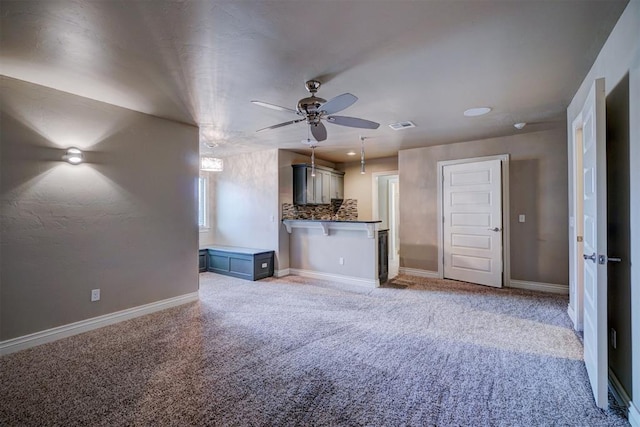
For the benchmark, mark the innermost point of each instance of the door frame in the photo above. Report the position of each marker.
(375, 205)
(375, 211)
(506, 234)
(575, 308)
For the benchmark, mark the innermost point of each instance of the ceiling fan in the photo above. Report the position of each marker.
(313, 110)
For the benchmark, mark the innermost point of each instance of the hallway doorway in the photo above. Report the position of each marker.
(386, 208)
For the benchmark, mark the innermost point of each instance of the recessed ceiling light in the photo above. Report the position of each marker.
(519, 125)
(477, 111)
(351, 153)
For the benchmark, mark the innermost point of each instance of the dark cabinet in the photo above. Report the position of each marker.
(202, 260)
(327, 184)
(245, 263)
(383, 255)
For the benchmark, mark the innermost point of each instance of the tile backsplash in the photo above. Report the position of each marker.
(338, 210)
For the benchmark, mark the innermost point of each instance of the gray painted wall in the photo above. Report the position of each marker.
(360, 186)
(538, 189)
(125, 221)
(244, 207)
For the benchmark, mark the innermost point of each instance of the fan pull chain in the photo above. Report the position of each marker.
(362, 170)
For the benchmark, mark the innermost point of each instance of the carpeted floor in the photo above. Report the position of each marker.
(295, 351)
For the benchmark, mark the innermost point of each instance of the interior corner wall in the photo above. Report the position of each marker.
(620, 56)
(244, 210)
(537, 188)
(360, 186)
(124, 221)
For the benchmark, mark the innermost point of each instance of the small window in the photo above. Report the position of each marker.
(203, 203)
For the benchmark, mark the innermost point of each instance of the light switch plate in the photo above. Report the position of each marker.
(521, 218)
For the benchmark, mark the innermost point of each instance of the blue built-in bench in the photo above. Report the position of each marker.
(245, 263)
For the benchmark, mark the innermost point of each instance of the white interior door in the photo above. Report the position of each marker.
(472, 222)
(595, 241)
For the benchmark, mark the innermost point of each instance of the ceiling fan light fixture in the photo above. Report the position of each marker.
(315, 111)
(477, 111)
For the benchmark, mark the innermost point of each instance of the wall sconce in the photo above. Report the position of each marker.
(212, 164)
(73, 156)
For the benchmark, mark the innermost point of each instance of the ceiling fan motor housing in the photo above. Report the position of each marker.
(310, 105)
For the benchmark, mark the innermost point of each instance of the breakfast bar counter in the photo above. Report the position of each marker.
(342, 251)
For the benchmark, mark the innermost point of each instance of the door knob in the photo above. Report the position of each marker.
(592, 257)
(495, 229)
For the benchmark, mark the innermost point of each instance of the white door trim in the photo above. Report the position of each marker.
(375, 212)
(576, 286)
(506, 236)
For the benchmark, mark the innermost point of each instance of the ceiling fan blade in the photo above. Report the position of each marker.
(319, 131)
(279, 125)
(274, 107)
(338, 103)
(353, 122)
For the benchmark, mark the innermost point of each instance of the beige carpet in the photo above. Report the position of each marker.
(294, 351)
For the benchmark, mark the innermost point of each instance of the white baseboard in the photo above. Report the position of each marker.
(349, 280)
(282, 273)
(419, 273)
(634, 415)
(542, 287)
(53, 334)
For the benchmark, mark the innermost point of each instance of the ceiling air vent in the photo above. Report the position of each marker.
(402, 125)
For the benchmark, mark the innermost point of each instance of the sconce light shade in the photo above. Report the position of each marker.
(211, 164)
(73, 156)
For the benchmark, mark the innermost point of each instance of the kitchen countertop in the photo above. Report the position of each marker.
(334, 220)
(369, 227)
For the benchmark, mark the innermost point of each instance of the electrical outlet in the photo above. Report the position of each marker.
(341, 261)
(95, 295)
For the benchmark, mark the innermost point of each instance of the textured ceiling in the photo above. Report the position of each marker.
(202, 62)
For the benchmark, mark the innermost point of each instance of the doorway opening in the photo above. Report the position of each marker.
(386, 208)
(619, 243)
